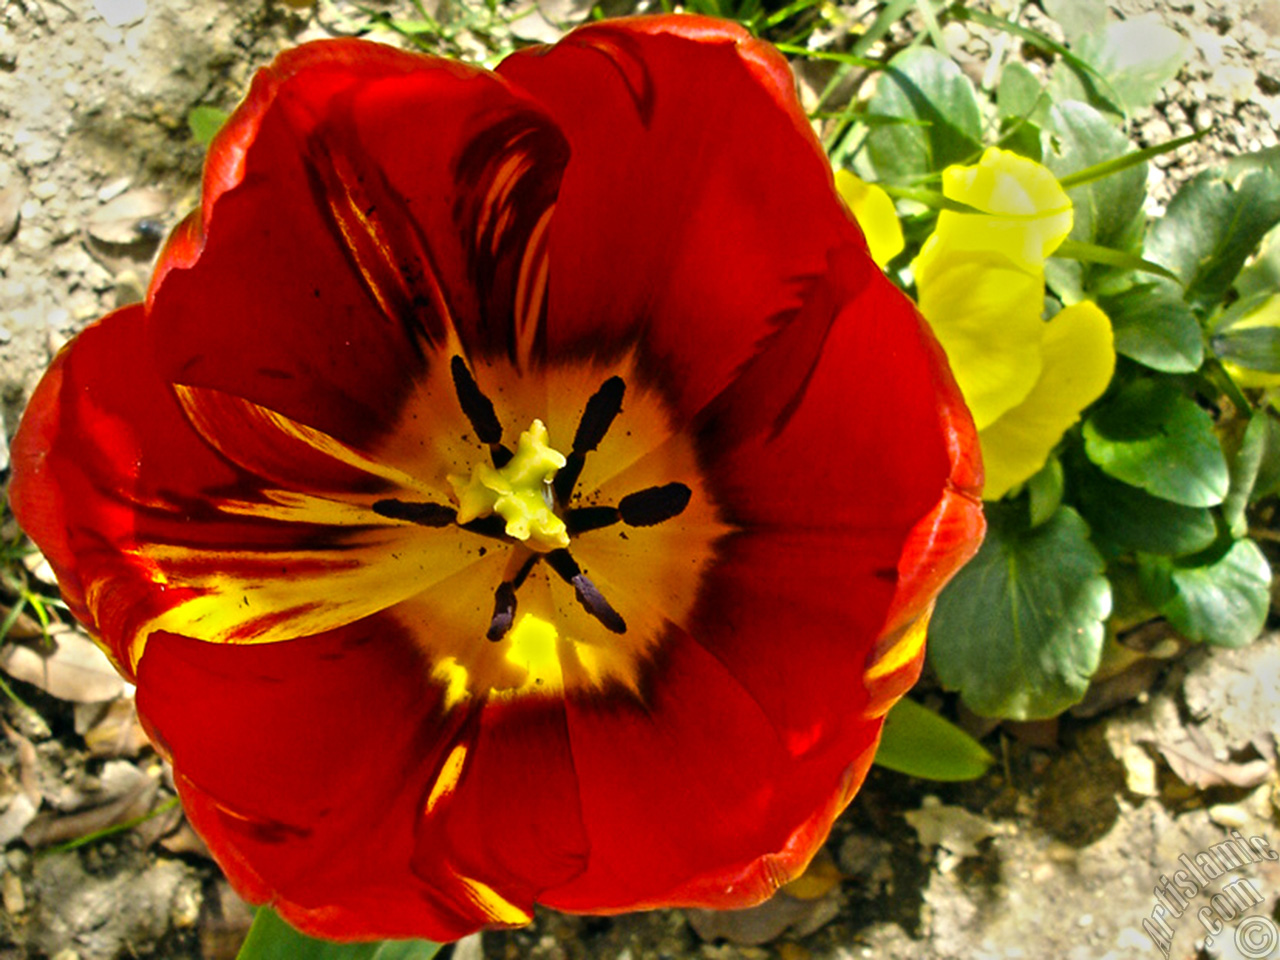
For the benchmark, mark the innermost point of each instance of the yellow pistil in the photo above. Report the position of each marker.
(519, 492)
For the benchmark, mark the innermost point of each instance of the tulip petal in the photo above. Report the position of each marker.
(714, 256)
(386, 244)
(1079, 359)
(242, 724)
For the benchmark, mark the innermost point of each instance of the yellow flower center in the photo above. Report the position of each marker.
(520, 492)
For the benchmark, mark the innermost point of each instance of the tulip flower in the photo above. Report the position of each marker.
(980, 283)
(516, 487)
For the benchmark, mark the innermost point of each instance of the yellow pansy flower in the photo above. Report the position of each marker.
(875, 213)
(980, 283)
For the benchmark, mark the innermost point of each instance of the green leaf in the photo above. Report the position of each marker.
(1080, 138)
(1154, 325)
(918, 742)
(923, 86)
(1247, 448)
(1045, 490)
(1151, 436)
(1137, 57)
(1257, 348)
(205, 122)
(1132, 519)
(270, 938)
(1211, 227)
(1267, 481)
(1019, 630)
(1223, 601)
(1077, 18)
(1092, 253)
(1021, 95)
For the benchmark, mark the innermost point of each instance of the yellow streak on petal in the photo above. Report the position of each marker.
(450, 773)
(498, 909)
(901, 652)
(454, 677)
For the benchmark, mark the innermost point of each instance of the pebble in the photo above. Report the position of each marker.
(45, 190)
(1228, 816)
(15, 901)
(121, 13)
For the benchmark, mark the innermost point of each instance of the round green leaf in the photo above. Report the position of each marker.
(1223, 601)
(1137, 57)
(1154, 325)
(270, 938)
(1151, 436)
(1131, 519)
(1019, 630)
(1105, 209)
(918, 742)
(1212, 226)
(939, 121)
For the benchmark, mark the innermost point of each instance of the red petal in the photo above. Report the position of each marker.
(339, 247)
(696, 202)
(304, 765)
(690, 797)
(512, 821)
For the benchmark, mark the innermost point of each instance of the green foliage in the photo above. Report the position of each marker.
(940, 121)
(204, 122)
(1222, 599)
(1151, 498)
(918, 742)
(270, 938)
(1152, 436)
(1019, 631)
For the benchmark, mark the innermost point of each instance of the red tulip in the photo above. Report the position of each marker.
(419, 661)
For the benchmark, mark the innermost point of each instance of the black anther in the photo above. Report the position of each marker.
(490, 526)
(588, 595)
(423, 514)
(605, 404)
(644, 508)
(477, 407)
(582, 519)
(504, 611)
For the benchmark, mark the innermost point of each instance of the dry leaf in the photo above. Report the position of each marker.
(50, 828)
(767, 921)
(118, 733)
(1192, 761)
(818, 879)
(70, 667)
(24, 627)
(28, 761)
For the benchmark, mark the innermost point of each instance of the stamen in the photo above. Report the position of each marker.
(644, 508)
(601, 410)
(582, 519)
(423, 514)
(605, 404)
(504, 611)
(588, 595)
(477, 407)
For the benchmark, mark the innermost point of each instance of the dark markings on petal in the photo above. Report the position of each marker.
(477, 407)
(504, 611)
(582, 519)
(523, 574)
(490, 526)
(592, 599)
(423, 514)
(601, 410)
(644, 508)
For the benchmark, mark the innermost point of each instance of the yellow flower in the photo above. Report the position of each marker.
(980, 280)
(875, 214)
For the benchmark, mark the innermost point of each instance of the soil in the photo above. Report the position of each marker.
(1057, 852)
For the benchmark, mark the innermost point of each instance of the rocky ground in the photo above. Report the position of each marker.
(1055, 853)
